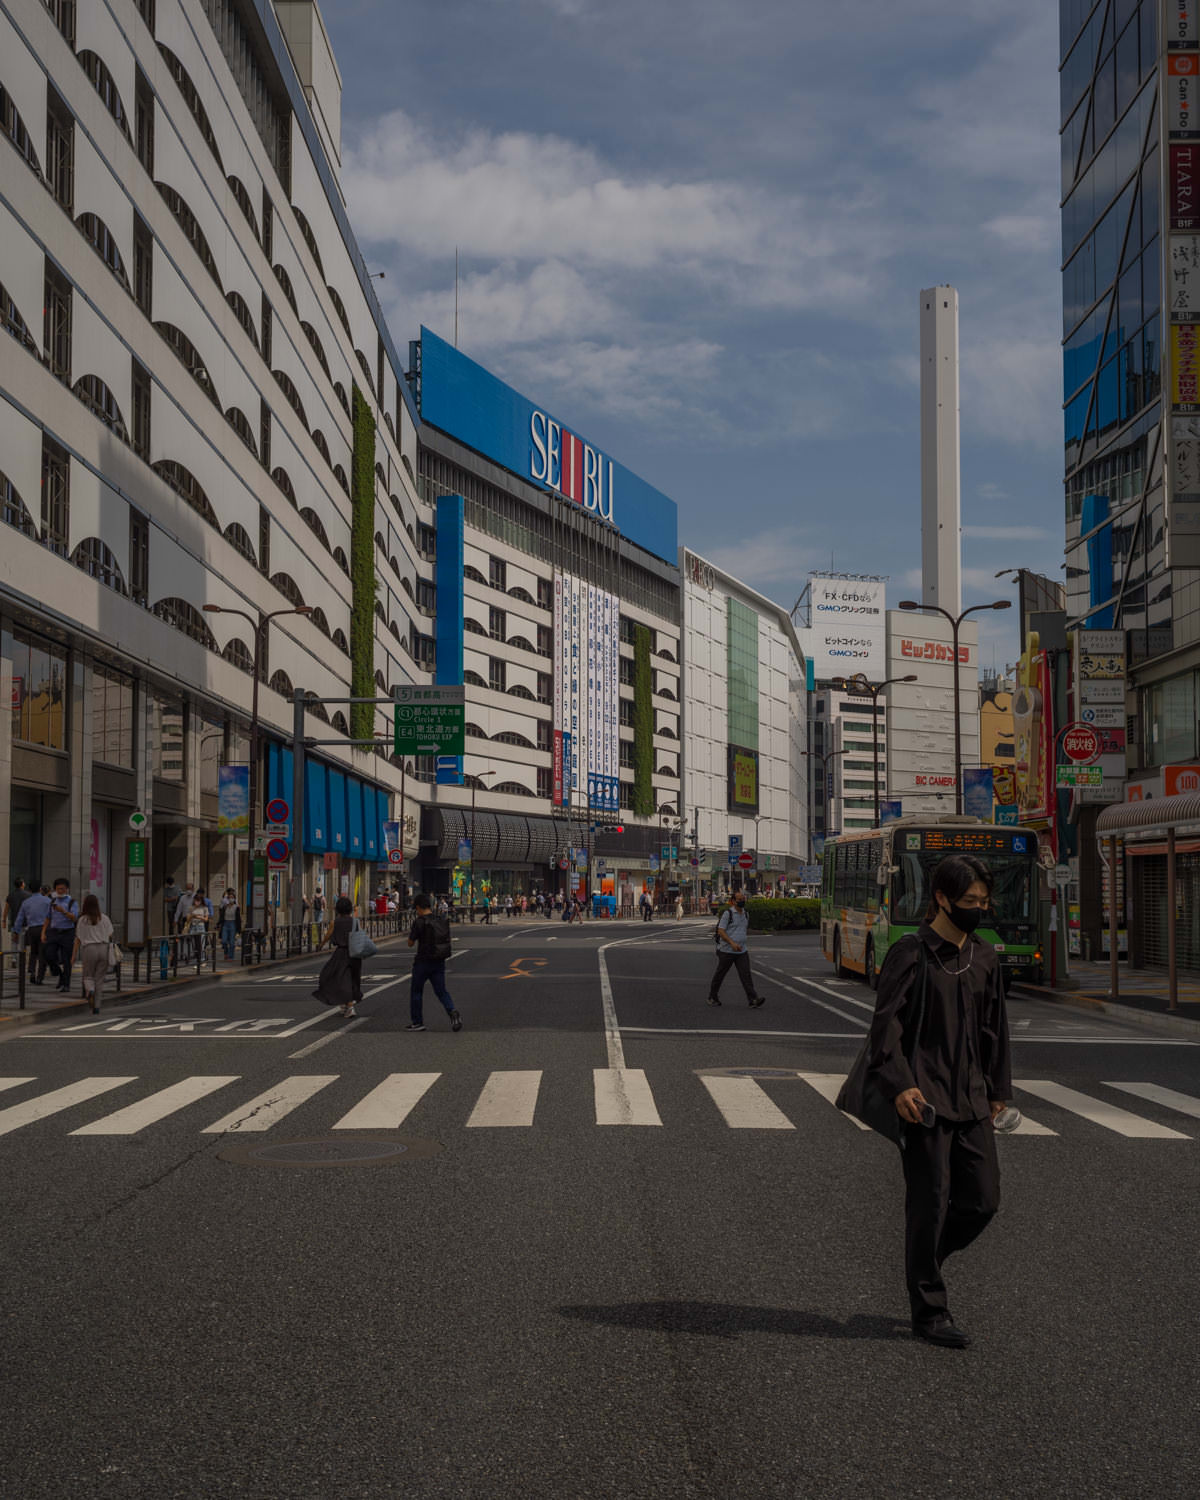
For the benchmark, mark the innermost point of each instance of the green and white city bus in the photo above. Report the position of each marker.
(875, 888)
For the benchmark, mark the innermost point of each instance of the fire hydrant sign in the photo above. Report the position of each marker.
(1081, 744)
(430, 721)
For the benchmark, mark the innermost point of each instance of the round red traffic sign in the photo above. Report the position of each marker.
(278, 851)
(1081, 743)
(395, 856)
(277, 810)
(745, 861)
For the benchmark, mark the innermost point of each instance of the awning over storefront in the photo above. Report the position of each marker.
(1150, 819)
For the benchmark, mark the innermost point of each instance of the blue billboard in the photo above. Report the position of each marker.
(467, 402)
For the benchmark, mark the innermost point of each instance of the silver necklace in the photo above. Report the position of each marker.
(953, 973)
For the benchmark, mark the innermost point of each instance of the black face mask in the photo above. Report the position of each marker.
(966, 918)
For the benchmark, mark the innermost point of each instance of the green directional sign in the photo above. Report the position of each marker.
(430, 721)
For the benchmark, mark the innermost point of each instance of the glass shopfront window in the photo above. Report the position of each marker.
(39, 691)
(112, 717)
(1171, 721)
(168, 730)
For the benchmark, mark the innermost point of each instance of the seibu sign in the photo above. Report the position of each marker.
(564, 462)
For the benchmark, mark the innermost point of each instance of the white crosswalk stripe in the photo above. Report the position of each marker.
(388, 1106)
(1156, 1094)
(1098, 1111)
(623, 1097)
(156, 1107)
(745, 1104)
(17, 1115)
(507, 1099)
(269, 1108)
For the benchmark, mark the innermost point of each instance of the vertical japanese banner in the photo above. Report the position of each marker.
(614, 703)
(589, 594)
(558, 661)
(574, 721)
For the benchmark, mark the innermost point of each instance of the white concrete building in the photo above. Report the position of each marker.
(744, 725)
(200, 405)
(849, 757)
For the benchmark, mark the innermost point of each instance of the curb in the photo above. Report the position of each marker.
(152, 992)
(1130, 1015)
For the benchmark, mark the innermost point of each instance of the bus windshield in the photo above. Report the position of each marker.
(1012, 892)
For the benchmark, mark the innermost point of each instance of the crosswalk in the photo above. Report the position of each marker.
(509, 1100)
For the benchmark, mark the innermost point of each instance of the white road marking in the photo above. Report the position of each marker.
(1186, 1104)
(612, 1032)
(745, 1104)
(304, 1025)
(828, 1085)
(1031, 1127)
(388, 1106)
(507, 1099)
(14, 1083)
(324, 1041)
(812, 999)
(837, 1036)
(269, 1108)
(17, 1115)
(623, 1097)
(135, 1117)
(1110, 1116)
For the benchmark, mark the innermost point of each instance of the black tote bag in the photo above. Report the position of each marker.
(861, 1094)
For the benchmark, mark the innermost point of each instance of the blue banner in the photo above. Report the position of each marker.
(977, 792)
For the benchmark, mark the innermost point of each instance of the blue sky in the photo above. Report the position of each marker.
(698, 231)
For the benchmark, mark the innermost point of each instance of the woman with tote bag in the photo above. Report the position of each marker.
(340, 981)
(93, 939)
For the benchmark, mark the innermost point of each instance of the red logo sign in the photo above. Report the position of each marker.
(1179, 779)
(1081, 743)
(934, 651)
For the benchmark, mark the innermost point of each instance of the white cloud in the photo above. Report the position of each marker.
(776, 562)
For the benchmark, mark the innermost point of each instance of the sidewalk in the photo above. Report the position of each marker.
(45, 1003)
(1141, 996)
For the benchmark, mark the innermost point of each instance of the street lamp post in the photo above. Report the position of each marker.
(824, 756)
(859, 684)
(259, 627)
(475, 780)
(955, 622)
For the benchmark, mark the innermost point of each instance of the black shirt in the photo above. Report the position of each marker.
(961, 1059)
(16, 899)
(342, 928)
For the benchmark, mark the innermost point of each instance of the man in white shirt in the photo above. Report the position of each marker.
(733, 931)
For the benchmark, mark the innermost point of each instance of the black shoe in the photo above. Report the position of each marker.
(712, 1000)
(756, 1001)
(455, 1021)
(414, 1026)
(943, 1332)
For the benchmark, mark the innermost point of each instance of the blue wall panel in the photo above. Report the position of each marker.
(370, 822)
(337, 811)
(354, 817)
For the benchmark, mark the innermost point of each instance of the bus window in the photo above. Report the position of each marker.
(910, 889)
(872, 854)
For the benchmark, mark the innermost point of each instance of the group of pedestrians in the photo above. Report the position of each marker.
(56, 933)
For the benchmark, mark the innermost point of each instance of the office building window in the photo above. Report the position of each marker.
(424, 650)
(545, 687)
(56, 496)
(545, 592)
(497, 624)
(60, 151)
(139, 557)
(497, 674)
(143, 122)
(143, 264)
(544, 781)
(498, 573)
(56, 320)
(545, 734)
(112, 717)
(39, 691)
(264, 540)
(545, 640)
(426, 596)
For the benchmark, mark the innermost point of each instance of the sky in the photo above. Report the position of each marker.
(697, 232)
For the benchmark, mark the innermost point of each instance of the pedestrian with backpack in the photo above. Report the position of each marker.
(430, 936)
(732, 934)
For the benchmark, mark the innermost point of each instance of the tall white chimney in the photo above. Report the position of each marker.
(941, 547)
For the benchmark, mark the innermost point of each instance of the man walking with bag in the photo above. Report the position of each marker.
(939, 1050)
(733, 940)
(431, 937)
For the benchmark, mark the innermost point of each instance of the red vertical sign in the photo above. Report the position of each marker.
(557, 794)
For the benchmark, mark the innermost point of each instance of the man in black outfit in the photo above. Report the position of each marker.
(958, 1081)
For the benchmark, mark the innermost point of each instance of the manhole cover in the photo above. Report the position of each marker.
(747, 1072)
(325, 1151)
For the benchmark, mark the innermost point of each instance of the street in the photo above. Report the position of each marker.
(631, 1249)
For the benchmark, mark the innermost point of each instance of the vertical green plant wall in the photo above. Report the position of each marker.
(643, 724)
(362, 568)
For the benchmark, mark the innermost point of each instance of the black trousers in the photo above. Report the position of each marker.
(952, 1179)
(726, 961)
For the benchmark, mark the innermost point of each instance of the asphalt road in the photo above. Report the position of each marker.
(526, 1302)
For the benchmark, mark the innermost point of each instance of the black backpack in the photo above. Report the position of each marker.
(439, 927)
